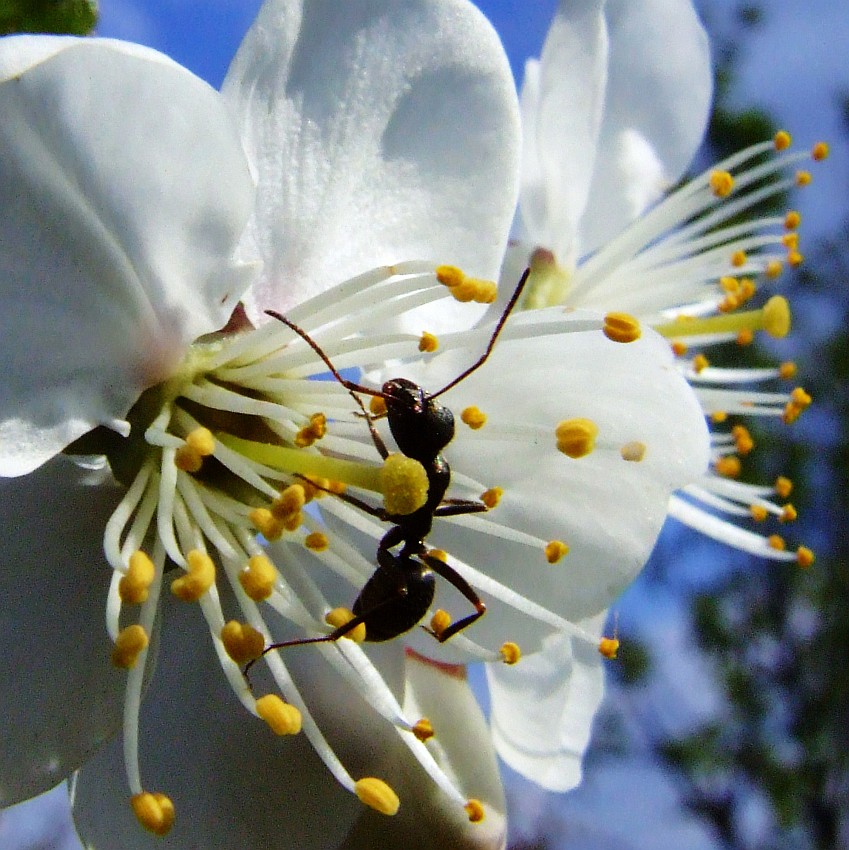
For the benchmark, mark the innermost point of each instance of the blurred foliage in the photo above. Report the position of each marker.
(74, 17)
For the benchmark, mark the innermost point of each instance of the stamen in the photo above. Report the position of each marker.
(555, 550)
(317, 541)
(510, 652)
(721, 183)
(440, 621)
(258, 578)
(621, 327)
(608, 647)
(154, 811)
(428, 343)
(423, 730)
(313, 432)
(492, 497)
(783, 486)
(133, 587)
(475, 810)
(242, 642)
(465, 288)
(773, 317)
(199, 578)
(473, 417)
(130, 643)
(804, 557)
(576, 437)
(376, 794)
(282, 718)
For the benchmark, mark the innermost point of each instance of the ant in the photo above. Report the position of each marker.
(403, 586)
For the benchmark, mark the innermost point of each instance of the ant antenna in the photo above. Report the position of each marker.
(517, 293)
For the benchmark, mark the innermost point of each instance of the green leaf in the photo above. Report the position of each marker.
(71, 17)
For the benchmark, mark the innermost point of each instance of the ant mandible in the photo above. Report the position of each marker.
(403, 586)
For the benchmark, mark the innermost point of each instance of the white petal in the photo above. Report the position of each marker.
(659, 88)
(543, 710)
(379, 131)
(123, 192)
(462, 745)
(60, 697)
(562, 107)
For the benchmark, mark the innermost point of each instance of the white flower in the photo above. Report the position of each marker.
(129, 231)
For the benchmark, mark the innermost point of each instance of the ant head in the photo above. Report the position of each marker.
(422, 427)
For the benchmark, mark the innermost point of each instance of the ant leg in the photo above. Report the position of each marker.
(457, 507)
(377, 513)
(452, 576)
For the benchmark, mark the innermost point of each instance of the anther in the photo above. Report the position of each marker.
(154, 811)
(129, 644)
(700, 363)
(787, 370)
(739, 259)
(608, 647)
(202, 441)
(819, 152)
(258, 578)
(782, 140)
(790, 241)
(804, 557)
(745, 337)
(282, 718)
(743, 441)
(555, 550)
(679, 349)
(633, 452)
(317, 541)
(718, 417)
(510, 652)
(773, 269)
(464, 288)
(428, 343)
(721, 183)
(133, 587)
(376, 794)
(475, 811)
(795, 259)
(621, 327)
(199, 578)
(404, 484)
(783, 486)
(198, 444)
(792, 220)
(267, 524)
(803, 178)
(423, 730)
(242, 641)
(788, 513)
(313, 432)
(576, 437)
(759, 513)
(339, 617)
(474, 417)
(776, 541)
(440, 621)
(492, 497)
(727, 466)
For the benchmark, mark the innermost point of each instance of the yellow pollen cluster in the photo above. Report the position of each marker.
(440, 621)
(621, 327)
(783, 486)
(282, 718)
(404, 484)
(555, 550)
(510, 652)
(718, 416)
(759, 513)
(377, 405)
(428, 343)
(242, 642)
(728, 466)
(820, 151)
(700, 363)
(739, 259)
(608, 647)
(576, 437)
(133, 587)
(474, 809)
(154, 811)
(376, 794)
(317, 541)
(745, 337)
(742, 439)
(258, 578)
(492, 497)
(199, 577)
(423, 730)
(799, 402)
(474, 417)
(679, 349)
(782, 140)
(787, 370)
(721, 183)
(199, 444)
(633, 452)
(792, 219)
(313, 432)
(286, 508)
(339, 617)
(776, 541)
(129, 644)
(773, 269)
(803, 178)
(464, 288)
(267, 524)
(788, 514)
(804, 557)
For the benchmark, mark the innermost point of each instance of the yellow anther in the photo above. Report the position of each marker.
(428, 343)
(728, 304)
(721, 183)
(313, 432)
(492, 497)
(258, 578)
(819, 152)
(266, 524)
(790, 241)
(423, 730)
(718, 416)
(404, 484)
(782, 140)
(783, 486)
(729, 284)
(377, 405)
(154, 811)
(339, 617)
(450, 276)
(197, 580)
(188, 459)
(773, 269)
(202, 441)
(474, 417)
(728, 466)
(739, 259)
(801, 398)
(282, 718)
(475, 811)
(743, 441)
(465, 288)
(608, 647)
(621, 327)
(576, 437)
(776, 317)
(133, 587)
(776, 541)
(700, 363)
(803, 178)
(317, 541)
(795, 259)
(376, 794)
(440, 621)
(792, 220)
(510, 652)
(555, 550)
(289, 502)
(745, 337)
(787, 370)
(747, 289)
(804, 557)
(633, 452)
(759, 513)
(242, 642)
(679, 349)
(129, 644)
(439, 554)
(788, 514)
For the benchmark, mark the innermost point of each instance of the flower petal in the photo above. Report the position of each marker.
(657, 104)
(60, 697)
(116, 232)
(543, 709)
(379, 131)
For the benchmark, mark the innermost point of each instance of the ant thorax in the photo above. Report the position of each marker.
(422, 427)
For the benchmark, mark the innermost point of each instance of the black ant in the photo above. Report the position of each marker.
(402, 588)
